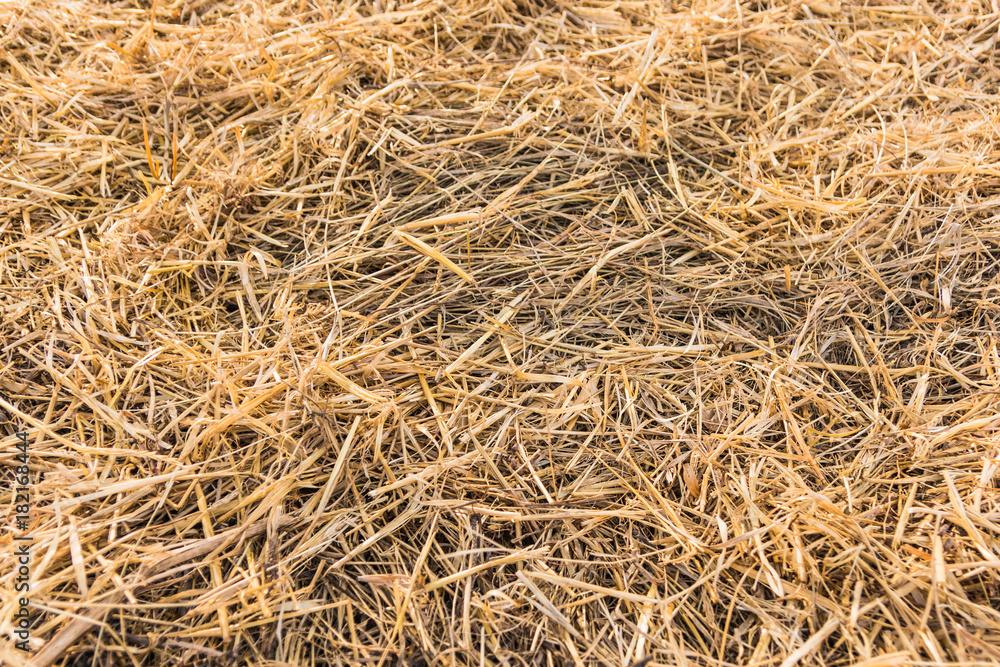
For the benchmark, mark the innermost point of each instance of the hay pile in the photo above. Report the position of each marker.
(502, 333)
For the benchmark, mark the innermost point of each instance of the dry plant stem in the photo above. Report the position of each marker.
(509, 333)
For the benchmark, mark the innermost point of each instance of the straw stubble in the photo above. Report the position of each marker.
(502, 333)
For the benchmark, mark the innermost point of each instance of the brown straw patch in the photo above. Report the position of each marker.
(513, 333)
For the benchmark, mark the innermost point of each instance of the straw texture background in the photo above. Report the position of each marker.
(510, 333)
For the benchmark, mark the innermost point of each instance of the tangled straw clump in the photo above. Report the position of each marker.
(502, 333)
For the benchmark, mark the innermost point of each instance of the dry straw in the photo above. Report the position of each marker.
(502, 333)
